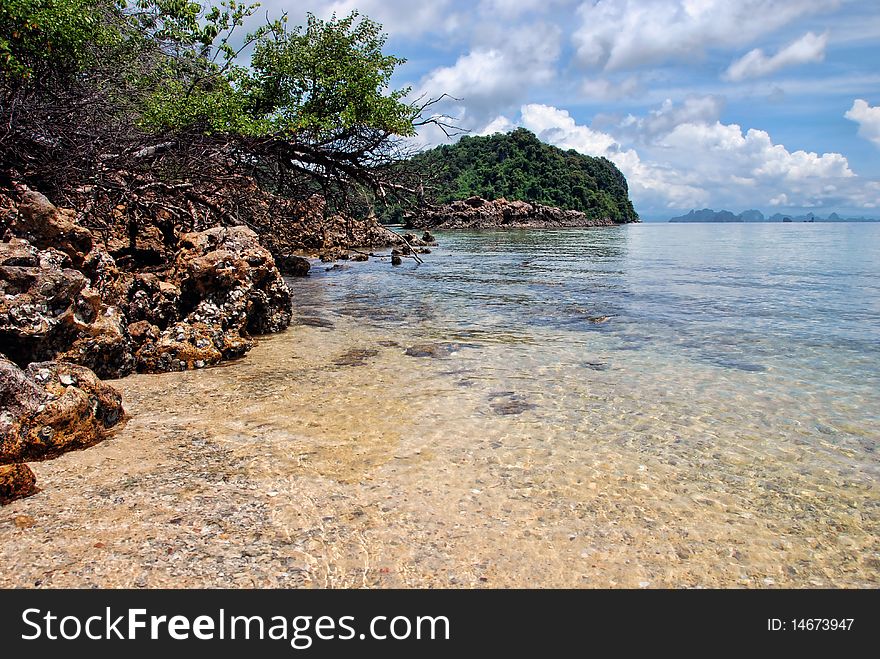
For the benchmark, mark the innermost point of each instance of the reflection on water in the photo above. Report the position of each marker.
(679, 405)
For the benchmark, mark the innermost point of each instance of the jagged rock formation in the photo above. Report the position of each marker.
(478, 213)
(220, 288)
(225, 288)
(49, 310)
(308, 227)
(45, 410)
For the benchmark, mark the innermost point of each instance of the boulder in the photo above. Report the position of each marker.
(48, 310)
(293, 266)
(44, 226)
(53, 407)
(185, 346)
(16, 481)
(45, 410)
(229, 289)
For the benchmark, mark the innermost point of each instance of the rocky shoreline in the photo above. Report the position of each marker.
(479, 213)
(78, 304)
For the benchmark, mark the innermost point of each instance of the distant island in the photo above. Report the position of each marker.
(518, 167)
(709, 215)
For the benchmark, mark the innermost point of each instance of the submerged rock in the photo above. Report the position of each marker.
(432, 350)
(355, 357)
(739, 366)
(597, 366)
(293, 266)
(509, 403)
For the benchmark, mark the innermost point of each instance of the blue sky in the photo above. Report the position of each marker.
(767, 104)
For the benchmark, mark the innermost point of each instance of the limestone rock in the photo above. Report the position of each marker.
(48, 310)
(16, 481)
(44, 225)
(51, 408)
(293, 266)
(478, 213)
(229, 289)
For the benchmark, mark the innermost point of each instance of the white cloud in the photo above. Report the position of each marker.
(754, 64)
(692, 159)
(499, 124)
(626, 34)
(661, 121)
(497, 76)
(516, 8)
(396, 16)
(722, 151)
(868, 119)
(602, 89)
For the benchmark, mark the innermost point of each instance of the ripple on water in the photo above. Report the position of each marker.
(453, 428)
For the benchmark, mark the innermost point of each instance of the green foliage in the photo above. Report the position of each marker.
(38, 35)
(318, 82)
(330, 76)
(92, 86)
(518, 166)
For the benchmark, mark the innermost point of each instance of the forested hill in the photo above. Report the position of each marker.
(518, 166)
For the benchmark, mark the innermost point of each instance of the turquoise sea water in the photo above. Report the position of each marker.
(801, 302)
(722, 379)
(641, 406)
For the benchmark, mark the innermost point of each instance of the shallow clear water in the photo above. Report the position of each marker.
(651, 405)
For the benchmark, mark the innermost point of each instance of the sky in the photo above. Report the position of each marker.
(765, 104)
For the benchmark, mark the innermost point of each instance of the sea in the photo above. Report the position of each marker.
(649, 405)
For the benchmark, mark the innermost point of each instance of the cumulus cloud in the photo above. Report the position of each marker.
(626, 34)
(492, 78)
(662, 120)
(499, 124)
(868, 119)
(754, 64)
(693, 159)
(725, 153)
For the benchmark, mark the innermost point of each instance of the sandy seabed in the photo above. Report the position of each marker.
(330, 458)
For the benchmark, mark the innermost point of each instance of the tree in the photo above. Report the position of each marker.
(519, 166)
(108, 99)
